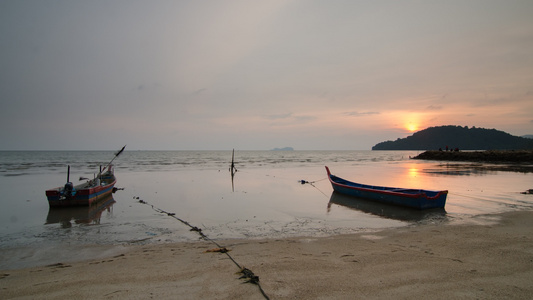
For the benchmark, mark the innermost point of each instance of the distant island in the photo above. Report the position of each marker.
(457, 137)
(283, 149)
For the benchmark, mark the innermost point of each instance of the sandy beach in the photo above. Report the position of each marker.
(439, 261)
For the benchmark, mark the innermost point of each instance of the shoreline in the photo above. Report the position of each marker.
(423, 261)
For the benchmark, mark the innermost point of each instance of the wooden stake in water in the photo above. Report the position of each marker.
(232, 168)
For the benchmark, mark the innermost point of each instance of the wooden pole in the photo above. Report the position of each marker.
(232, 168)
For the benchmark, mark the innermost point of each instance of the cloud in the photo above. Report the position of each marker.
(279, 116)
(304, 119)
(147, 87)
(290, 119)
(434, 107)
(361, 114)
(198, 92)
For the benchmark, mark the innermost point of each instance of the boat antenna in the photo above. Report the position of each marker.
(116, 155)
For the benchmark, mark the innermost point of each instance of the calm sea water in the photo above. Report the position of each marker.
(263, 200)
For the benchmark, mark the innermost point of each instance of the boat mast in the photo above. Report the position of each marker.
(116, 155)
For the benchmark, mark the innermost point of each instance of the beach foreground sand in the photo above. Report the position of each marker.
(466, 261)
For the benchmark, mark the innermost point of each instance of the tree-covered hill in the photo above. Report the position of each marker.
(464, 138)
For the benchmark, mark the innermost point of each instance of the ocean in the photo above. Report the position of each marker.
(265, 198)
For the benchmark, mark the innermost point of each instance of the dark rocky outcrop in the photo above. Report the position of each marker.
(493, 156)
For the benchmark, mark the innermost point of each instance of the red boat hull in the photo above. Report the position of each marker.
(83, 197)
(83, 194)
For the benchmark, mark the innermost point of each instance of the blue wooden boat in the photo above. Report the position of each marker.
(414, 198)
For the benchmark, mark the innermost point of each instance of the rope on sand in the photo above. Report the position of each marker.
(247, 274)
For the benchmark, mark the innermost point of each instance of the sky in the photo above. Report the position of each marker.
(256, 75)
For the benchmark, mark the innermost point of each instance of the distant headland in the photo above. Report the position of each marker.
(283, 149)
(458, 138)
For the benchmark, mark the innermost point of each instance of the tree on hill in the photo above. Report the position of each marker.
(464, 138)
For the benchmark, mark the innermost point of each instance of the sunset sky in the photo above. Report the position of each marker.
(255, 75)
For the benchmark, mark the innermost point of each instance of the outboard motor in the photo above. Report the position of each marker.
(67, 190)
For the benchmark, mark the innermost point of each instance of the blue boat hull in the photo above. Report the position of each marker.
(413, 198)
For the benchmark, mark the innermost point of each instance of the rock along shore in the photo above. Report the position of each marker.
(493, 156)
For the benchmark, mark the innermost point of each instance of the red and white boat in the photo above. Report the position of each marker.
(86, 193)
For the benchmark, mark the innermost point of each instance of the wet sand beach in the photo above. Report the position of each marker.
(302, 240)
(473, 260)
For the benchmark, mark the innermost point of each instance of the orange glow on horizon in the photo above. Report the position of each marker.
(412, 127)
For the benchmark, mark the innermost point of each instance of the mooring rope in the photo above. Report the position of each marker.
(246, 273)
(311, 183)
(463, 195)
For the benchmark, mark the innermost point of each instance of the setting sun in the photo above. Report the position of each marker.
(412, 127)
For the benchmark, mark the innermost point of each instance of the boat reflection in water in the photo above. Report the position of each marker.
(80, 215)
(388, 211)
